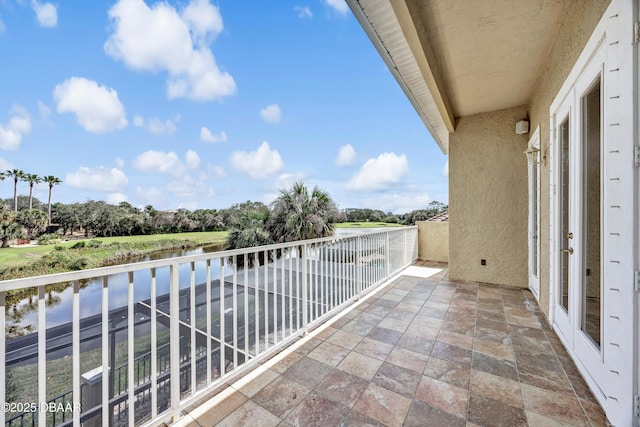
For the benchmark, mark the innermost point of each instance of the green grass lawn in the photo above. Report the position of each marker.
(366, 225)
(23, 256)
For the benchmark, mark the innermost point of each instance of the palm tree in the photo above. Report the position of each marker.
(17, 175)
(34, 221)
(2, 176)
(249, 230)
(9, 228)
(32, 179)
(51, 180)
(300, 215)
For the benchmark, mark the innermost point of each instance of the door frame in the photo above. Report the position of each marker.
(533, 154)
(561, 110)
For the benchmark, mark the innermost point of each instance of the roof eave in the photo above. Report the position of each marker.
(413, 72)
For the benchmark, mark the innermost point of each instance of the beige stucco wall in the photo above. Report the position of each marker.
(488, 203)
(433, 241)
(578, 24)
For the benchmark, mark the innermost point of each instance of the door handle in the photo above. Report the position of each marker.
(569, 251)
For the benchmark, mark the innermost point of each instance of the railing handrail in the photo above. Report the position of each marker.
(49, 279)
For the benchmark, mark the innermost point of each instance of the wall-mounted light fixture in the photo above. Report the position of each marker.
(533, 155)
(522, 127)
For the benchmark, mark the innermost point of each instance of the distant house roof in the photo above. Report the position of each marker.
(443, 217)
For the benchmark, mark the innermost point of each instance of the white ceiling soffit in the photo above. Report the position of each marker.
(490, 54)
(378, 19)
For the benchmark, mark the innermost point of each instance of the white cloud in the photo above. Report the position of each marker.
(204, 20)
(46, 13)
(218, 171)
(268, 198)
(116, 198)
(119, 163)
(380, 173)
(159, 127)
(190, 189)
(271, 114)
(398, 202)
(260, 164)
(159, 161)
(339, 6)
(2, 26)
(192, 160)
(151, 196)
(286, 180)
(97, 108)
(99, 179)
(19, 125)
(160, 39)
(445, 169)
(207, 136)
(44, 110)
(138, 121)
(190, 206)
(346, 156)
(5, 165)
(303, 12)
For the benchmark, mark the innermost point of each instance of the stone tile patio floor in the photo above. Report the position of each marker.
(422, 351)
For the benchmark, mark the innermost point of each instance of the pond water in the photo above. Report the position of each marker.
(59, 303)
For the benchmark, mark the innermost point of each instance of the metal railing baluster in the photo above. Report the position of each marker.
(42, 355)
(154, 345)
(192, 315)
(75, 349)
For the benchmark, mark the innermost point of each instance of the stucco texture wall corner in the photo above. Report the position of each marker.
(433, 241)
(488, 203)
(578, 23)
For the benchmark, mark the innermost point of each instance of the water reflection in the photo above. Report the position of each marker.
(22, 314)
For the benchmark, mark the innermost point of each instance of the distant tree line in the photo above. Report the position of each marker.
(298, 213)
(372, 215)
(101, 219)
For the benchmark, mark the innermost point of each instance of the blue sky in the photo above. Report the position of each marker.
(201, 104)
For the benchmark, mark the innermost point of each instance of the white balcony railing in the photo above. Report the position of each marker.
(164, 333)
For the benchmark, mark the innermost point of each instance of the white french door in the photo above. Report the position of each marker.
(579, 269)
(594, 212)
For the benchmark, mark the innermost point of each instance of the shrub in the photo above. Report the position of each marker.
(79, 264)
(49, 239)
(59, 248)
(56, 259)
(93, 243)
(79, 245)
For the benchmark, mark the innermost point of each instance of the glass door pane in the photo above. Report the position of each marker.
(591, 203)
(563, 137)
